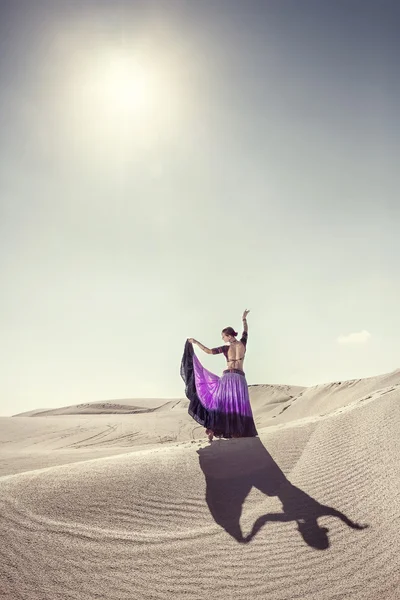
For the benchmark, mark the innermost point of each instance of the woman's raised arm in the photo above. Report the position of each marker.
(244, 337)
(244, 319)
(204, 348)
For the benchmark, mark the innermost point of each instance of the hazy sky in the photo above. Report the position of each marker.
(166, 164)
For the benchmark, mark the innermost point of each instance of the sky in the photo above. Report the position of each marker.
(165, 165)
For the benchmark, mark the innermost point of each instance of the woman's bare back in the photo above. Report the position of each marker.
(235, 355)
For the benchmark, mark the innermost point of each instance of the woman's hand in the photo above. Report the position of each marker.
(246, 312)
(192, 340)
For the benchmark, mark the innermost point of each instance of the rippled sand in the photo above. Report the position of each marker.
(126, 500)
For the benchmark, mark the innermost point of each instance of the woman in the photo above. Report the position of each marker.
(220, 404)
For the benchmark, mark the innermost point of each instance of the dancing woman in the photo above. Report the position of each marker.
(220, 404)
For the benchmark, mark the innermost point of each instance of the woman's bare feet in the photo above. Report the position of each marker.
(210, 434)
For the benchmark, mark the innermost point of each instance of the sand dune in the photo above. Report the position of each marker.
(129, 406)
(126, 505)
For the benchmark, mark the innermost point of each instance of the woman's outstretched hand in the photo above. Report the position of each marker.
(246, 312)
(192, 340)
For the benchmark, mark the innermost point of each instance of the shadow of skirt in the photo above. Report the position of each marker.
(221, 404)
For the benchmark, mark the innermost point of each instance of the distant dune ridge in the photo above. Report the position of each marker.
(125, 499)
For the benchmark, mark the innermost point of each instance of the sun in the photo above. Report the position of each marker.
(123, 86)
(116, 90)
(119, 98)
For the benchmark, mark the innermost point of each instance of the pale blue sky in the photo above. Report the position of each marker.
(164, 165)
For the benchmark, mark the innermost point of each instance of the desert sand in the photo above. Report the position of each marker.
(126, 499)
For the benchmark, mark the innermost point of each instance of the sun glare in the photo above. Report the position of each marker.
(117, 96)
(116, 99)
(122, 87)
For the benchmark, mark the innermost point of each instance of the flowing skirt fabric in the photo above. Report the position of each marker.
(221, 404)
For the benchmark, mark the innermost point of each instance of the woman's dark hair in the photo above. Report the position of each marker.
(229, 331)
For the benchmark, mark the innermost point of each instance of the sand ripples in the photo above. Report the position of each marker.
(237, 518)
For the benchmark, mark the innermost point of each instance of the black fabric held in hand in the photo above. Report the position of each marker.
(196, 409)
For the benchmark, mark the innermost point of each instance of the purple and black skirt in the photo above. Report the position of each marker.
(221, 404)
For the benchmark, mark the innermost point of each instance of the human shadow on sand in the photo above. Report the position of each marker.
(233, 467)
